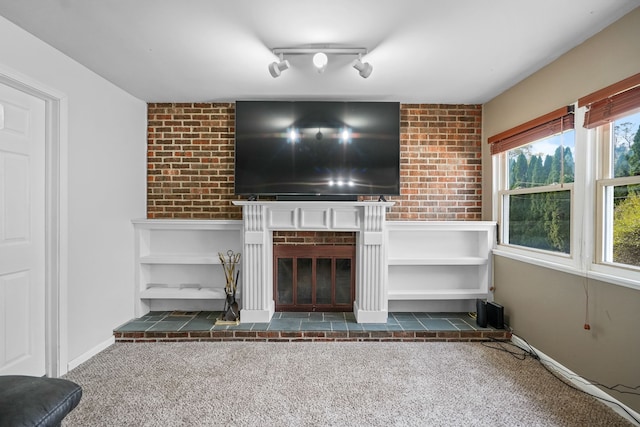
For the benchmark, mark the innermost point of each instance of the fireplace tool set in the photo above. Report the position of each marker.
(230, 313)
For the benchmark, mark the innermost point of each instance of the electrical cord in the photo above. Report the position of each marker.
(532, 354)
(502, 346)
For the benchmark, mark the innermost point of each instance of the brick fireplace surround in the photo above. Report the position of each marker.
(190, 176)
(191, 152)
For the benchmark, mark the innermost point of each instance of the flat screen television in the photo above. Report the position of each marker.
(317, 149)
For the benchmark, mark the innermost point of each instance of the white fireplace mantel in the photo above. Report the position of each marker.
(366, 219)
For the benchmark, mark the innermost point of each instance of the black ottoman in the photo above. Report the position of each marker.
(36, 401)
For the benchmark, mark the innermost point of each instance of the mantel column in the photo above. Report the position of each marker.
(257, 267)
(371, 304)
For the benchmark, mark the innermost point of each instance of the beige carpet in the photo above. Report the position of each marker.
(325, 384)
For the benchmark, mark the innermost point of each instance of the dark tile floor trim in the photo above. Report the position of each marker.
(307, 327)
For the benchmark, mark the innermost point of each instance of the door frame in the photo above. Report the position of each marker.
(56, 255)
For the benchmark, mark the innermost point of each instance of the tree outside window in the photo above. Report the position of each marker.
(625, 229)
(539, 193)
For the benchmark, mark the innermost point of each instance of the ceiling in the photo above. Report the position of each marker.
(446, 51)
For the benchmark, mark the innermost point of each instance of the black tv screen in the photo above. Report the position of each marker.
(317, 148)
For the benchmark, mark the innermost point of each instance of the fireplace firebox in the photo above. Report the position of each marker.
(314, 277)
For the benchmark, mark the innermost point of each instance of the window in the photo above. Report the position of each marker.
(536, 162)
(613, 116)
(568, 197)
(618, 192)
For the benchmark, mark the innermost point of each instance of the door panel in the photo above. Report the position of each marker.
(22, 216)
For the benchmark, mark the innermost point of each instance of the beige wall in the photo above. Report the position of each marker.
(608, 57)
(547, 307)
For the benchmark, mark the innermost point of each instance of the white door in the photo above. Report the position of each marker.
(22, 243)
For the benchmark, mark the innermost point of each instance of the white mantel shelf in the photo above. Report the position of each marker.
(318, 216)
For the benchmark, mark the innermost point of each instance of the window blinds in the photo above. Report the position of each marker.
(544, 126)
(611, 102)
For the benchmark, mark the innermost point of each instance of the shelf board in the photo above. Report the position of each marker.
(438, 261)
(180, 259)
(185, 293)
(438, 294)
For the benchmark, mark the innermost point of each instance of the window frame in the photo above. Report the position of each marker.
(603, 227)
(590, 159)
(557, 260)
(504, 210)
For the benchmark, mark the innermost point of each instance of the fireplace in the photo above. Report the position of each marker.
(314, 277)
(366, 219)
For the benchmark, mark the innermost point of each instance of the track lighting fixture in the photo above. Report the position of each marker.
(276, 68)
(320, 58)
(365, 69)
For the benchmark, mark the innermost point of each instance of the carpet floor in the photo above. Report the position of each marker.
(325, 384)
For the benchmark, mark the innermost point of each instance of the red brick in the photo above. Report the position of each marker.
(177, 334)
(268, 334)
(449, 135)
(286, 334)
(313, 334)
(404, 334)
(425, 334)
(448, 335)
(221, 334)
(245, 334)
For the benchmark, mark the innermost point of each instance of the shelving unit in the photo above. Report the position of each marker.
(178, 268)
(177, 263)
(439, 260)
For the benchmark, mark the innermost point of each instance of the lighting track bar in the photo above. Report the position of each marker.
(312, 50)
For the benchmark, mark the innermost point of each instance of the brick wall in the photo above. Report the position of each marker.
(190, 162)
(314, 238)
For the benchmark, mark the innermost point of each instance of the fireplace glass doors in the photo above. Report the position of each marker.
(314, 278)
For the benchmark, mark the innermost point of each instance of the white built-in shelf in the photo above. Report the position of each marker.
(177, 262)
(463, 260)
(437, 294)
(180, 259)
(188, 293)
(439, 260)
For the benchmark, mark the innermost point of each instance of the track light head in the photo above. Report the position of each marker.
(364, 69)
(276, 68)
(320, 61)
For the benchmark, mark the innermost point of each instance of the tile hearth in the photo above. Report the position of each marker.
(306, 326)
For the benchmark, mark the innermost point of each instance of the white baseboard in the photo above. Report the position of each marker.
(579, 382)
(89, 354)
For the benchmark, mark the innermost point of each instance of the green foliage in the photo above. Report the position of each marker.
(527, 170)
(634, 155)
(557, 223)
(626, 230)
(520, 172)
(541, 220)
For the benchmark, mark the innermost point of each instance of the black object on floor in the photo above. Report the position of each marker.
(36, 401)
(481, 313)
(495, 315)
